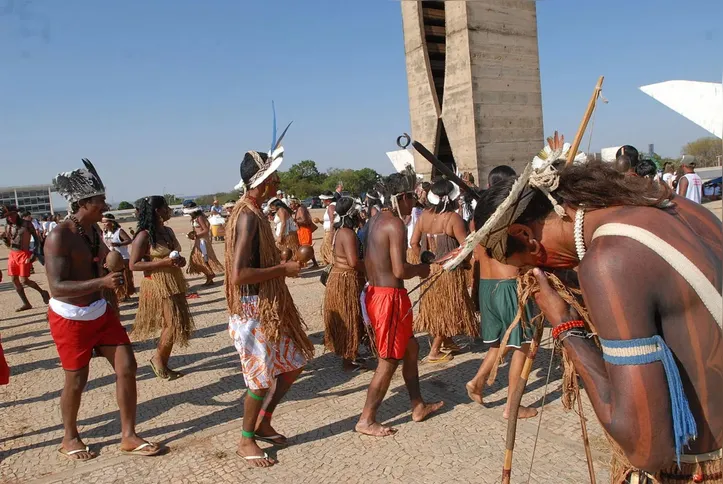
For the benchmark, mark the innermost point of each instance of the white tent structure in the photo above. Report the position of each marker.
(700, 102)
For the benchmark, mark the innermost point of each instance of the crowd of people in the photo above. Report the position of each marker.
(651, 285)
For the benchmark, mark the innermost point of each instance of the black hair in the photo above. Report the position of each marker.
(327, 193)
(343, 207)
(631, 152)
(593, 184)
(623, 164)
(26, 214)
(499, 173)
(443, 188)
(111, 218)
(44, 218)
(147, 215)
(280, 204)
(426, 186)
(396, 184)
(249, 167)
(646, 168)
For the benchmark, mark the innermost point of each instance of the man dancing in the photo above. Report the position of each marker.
(650, 269)
(306, 226)
(387, 304)
(81, 320)
(17, 235)
(264, 323)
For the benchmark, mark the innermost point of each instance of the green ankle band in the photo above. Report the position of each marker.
(248, 435)
(254, 396)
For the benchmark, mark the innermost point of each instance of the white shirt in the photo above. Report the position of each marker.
(114, 238)
(51, 226)
(695, 187)
(327, 220)
(290, 226)
(668, 178)
(416, 213)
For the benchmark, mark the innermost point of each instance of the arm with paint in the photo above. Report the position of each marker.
(631, 400)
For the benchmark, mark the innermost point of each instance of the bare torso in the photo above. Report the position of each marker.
(377, 259)
(346, 250)
(19, 235)
(642, 284)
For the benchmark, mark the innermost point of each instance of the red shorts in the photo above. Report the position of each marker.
(4, 368)
(305, 237)
(19, 263)
(75, 340)
(390, 312)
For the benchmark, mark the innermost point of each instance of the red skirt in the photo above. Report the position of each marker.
(389, 310)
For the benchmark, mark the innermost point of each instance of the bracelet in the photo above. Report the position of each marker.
(576, 333)
(560, 328)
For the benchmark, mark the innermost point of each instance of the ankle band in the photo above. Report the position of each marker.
(248, 435)
(264, 414)
(254, 396)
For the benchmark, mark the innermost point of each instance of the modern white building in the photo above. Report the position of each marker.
(36, 199)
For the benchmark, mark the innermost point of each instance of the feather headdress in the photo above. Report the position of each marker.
(539, 174)
(274, 158)
(79, 184)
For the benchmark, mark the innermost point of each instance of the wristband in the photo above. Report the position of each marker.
(561, 328)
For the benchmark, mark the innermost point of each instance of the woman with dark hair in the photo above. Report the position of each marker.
(646, 169)
(650, 266)
(343, 323)
(118, 240)
(286, 233)
(373, 202)
(162, 302)
(203, 258)
(446, 309)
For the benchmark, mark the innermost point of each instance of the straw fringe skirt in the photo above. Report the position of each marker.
(343, 323)
(446, 309)
(290, 241)
(198, 265)
(327, 254)
(128, 288)
(411, 257)
(162, 304)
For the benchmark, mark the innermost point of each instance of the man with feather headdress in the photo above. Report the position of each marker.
(81, 319)
(265, 325)
(386, 303)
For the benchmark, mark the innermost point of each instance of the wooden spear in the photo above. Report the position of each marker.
(585, 439)
(585, 119)
(514, 401)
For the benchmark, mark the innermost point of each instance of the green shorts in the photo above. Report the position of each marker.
(498, 308)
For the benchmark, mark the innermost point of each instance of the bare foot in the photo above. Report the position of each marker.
(24, 307)
(75, 449)
(253, 455)
(209, 281)
(424, 410)
(266, 433)
(46, 297)
(473, 394)
(132, 443)
(374, 429)
(524, 412)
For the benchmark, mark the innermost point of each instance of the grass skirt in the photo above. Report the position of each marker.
(128, 288)
(343, 323)
(446, 309)
(411, 258)
(290, 241)
(709, 471)
(327, 254)
(162, 304)
(197, 264)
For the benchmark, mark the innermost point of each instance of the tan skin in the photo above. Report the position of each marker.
(22, 242)
(202, 232)
(346, 257)
(71, 277)
(140, 262)
(451, 224)
(646, 294)
(245, 273)
(386, 266)
(125, 239)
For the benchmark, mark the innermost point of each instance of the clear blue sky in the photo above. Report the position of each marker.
(170, 93)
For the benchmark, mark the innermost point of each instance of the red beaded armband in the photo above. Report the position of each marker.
(561, 328)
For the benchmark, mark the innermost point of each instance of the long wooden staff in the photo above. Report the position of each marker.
(585, 119)
(585, 439)
(514, 401)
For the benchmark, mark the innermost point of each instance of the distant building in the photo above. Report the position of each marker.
(36, 199)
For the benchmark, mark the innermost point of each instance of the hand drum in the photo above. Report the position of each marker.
(114, 261)
(304, 254)
(427, 257)
(286, 255)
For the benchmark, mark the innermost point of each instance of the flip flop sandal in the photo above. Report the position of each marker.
(252, 457)
(447, 357)
(173, 374)
(193, 295)
(272, 439)
(139, 450)
(70, 453)
(160, 374)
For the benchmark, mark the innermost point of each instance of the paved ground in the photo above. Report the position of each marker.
(198, 416)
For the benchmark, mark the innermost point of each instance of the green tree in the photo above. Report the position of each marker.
(125, 205)
(705, 150)
(172, 199)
